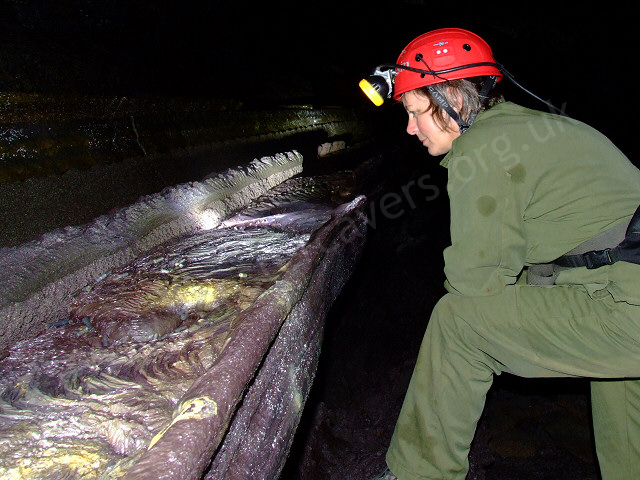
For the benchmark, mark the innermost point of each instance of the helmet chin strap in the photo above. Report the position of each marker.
(446, 106)
(463, 126)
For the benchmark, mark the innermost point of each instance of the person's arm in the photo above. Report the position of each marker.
(488, 247)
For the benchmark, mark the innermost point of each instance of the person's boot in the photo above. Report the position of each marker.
(385, 475)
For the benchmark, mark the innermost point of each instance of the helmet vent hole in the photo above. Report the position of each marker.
(466, 46)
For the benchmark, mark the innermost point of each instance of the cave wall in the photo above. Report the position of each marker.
(65, 160)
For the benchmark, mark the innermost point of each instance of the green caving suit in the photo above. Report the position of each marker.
(525, 187)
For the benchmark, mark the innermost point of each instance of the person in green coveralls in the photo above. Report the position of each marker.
(542, 272)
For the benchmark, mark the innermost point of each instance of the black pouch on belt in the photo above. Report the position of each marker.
(628, 250)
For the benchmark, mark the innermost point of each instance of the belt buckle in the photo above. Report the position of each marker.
(598, 258)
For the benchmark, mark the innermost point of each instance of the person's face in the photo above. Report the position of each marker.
(422, 124)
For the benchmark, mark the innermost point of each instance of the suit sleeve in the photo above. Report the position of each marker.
(488, 246)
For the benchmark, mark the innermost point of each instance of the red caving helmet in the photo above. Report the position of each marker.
(441, 50)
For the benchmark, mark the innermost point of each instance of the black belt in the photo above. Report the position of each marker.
(627, 251)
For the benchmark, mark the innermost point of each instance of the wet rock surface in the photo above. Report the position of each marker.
(157, 362)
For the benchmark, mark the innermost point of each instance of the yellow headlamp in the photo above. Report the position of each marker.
(378, 86)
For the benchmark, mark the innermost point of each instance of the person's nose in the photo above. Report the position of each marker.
(412, 126)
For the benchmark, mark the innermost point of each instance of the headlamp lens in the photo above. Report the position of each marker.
(368, 86)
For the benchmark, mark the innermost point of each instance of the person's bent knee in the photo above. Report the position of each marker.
(446, 314)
